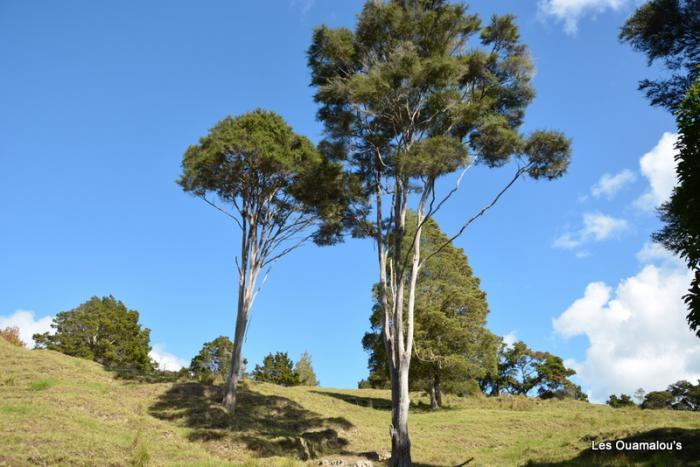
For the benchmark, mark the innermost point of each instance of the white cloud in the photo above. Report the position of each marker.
(596, 227)
(567, 242)
(652, 251)
(570, 12)
(166, 360)
(638, 335)
(659, 167)
(510, 339)
(599, 226)
(303, 5)
(609, 185)
(28, 326)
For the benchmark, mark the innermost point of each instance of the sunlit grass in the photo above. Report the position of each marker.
(56, 409)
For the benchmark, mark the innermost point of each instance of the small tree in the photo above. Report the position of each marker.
(522, 370)
(11, 335)
(619, 402)
(571, 391)
(277, 369)
(686, 395)
(519, 368)
(658, 400)
(213, 360)
(305, 371)
(639, 396)
(282, 191)
(103, 330)
(553, 377)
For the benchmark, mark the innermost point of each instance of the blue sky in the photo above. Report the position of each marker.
(98, 102)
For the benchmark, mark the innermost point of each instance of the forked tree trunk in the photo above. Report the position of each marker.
(402, 342)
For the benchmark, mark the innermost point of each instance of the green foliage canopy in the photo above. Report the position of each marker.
(103, 330)
(522, 370)
(410, 83)
(681, 395)
(277, 369)
(624, 400)
(275, 178)
(214, 359)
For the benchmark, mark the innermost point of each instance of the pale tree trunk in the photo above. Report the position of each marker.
(234, 373)
(435, 393)
(400, 400)
(403, 340)
(400, 441)
(433, 400)
(248, 272)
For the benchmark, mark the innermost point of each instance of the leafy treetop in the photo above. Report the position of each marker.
(214, 359)
(277, 369)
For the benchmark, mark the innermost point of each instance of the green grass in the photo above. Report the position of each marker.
(59, 410)
(42, 384)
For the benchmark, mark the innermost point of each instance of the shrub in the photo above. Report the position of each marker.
(11, 335)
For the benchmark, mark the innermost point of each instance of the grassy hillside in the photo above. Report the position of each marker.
(56, 409)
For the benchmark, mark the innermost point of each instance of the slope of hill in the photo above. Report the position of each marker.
(59, 410)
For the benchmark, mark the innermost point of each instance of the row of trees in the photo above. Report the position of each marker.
(280, 369)
(213, 362)
(681, 395)
(106, 331)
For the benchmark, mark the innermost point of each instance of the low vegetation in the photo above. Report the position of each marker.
(104, 419)
(11, 335)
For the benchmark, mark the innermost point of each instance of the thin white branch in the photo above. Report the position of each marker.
(232, 216)
(483, 210)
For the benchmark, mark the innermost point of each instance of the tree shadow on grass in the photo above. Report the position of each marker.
(135, 376)
(377, 403)
(688, 455)
(267, 425)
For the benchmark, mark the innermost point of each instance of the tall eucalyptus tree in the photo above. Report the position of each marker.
(420, 89)
(283, 192)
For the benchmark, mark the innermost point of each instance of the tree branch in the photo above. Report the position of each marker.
(232, 216)
(483, 210)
